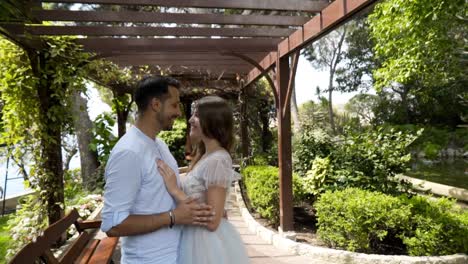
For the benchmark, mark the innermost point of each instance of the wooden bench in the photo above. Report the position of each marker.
(84, 249)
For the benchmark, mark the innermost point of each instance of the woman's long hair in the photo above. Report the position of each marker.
(216, 122)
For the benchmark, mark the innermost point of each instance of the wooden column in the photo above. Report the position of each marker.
(244, 123)
(284, 144)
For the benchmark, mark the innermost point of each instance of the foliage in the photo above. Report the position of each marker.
(418, 41)
(5, 238)
(259, 113)
(86, 204)
(439, 137)
(417, 104)
(431, 150)
(314, 114)
(363, 107)
(327, 53)
(103, 139)
(72, 183)
(318, 179)
(359, 220)
(369, 160)
(175, 139)
(308, 145)
(439, 227)
(355, 73)
(36, 88)
(422, 74)
(29, 222)
(373, 222)
(262, 183)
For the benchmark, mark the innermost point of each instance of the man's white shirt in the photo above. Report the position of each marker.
(134, 186)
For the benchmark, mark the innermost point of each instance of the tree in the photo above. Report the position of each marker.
(83, 127)
(36, 87)
(328, 53)
(121, 82)
(363, 106)
(356, 72)
(420, 42)
(313, 114)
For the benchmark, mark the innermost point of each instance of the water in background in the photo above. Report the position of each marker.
(14, 187)
(449, 172)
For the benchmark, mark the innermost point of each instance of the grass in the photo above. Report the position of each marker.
(4, 237)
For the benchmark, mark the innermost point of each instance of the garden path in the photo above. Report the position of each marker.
(258, 250)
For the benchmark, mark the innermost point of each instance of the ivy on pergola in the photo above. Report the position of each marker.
(198, 41)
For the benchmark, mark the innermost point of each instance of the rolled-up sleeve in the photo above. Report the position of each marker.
(123, 180)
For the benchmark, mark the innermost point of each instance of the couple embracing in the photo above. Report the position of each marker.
(160, 217)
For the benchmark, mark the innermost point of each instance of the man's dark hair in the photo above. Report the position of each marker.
(153, 87)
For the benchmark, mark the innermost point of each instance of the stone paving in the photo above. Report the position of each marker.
(258, 251)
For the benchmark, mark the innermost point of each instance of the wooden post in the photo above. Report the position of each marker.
(284, 144)
(244, 123)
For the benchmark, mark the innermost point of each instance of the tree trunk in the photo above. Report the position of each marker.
(122, 108)
(83, 127)
(68, 157)
(51, 163)
(122, 116)
(294, 110)
(330, 103)
(405, 104)
(336, 58)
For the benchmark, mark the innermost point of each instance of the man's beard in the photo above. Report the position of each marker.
(166, 123)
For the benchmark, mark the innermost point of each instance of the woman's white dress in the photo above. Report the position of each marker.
(198, 245)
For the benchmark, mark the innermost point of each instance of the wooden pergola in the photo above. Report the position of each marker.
(212, 40)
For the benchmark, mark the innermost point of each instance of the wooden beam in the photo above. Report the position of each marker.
(152, 31)
(206, 62)
(331, 17)
(196, 69)
(291, 5)
(197, 76)
(179, 18)
(167, 55)
(182, 45)
(260, 68)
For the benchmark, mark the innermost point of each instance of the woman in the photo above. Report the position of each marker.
(209, 179)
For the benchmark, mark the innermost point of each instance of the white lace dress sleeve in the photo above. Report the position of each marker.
(218, 170)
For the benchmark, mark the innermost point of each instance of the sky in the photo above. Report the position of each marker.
(308, 78)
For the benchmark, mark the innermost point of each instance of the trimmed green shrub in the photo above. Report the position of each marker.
(262, 183)
(259, 160)
(438, 227)
(359, 220)
(373, 222)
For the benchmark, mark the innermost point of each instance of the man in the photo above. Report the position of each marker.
(137, 205)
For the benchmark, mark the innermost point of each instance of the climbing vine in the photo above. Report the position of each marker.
(36, 86)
